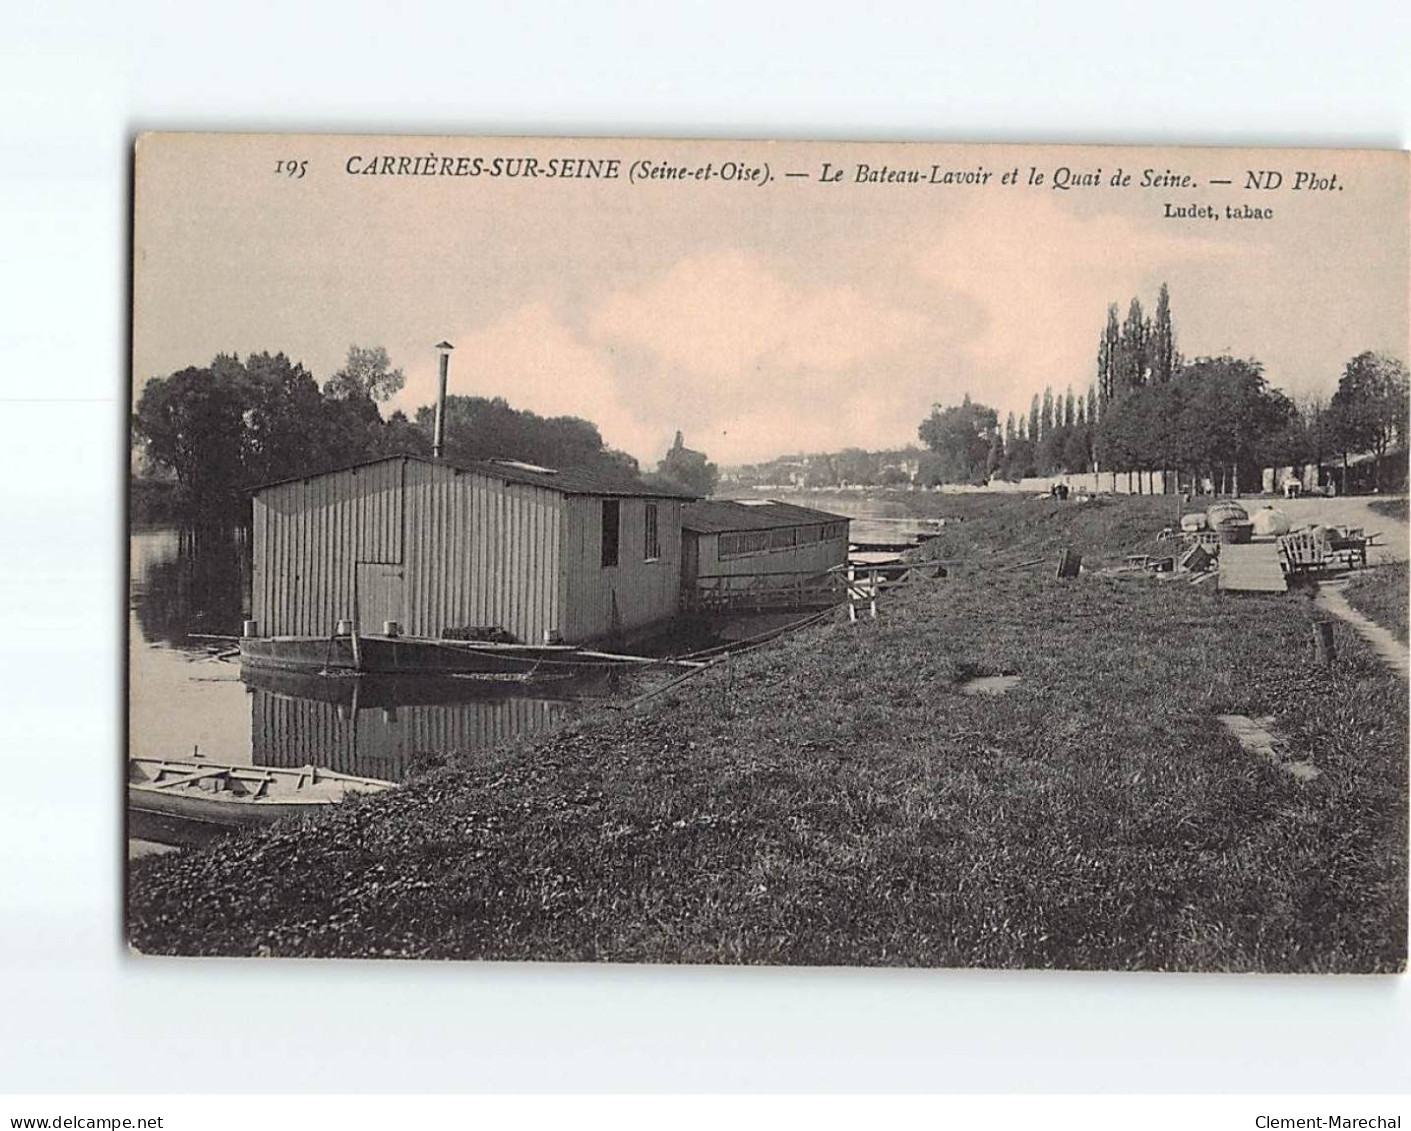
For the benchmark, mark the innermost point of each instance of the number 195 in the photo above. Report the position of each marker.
(291, 168)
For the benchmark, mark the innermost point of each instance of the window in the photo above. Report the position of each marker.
(744, 542)
(652, 550)
(611, 517)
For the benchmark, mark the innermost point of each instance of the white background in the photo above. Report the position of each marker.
(78, 80)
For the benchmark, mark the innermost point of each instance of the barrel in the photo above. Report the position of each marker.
(1223, 514)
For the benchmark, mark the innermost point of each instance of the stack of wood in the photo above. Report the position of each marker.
(1253, 568)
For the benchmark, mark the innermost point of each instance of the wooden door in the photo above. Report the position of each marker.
(379, 596)
(690, 559)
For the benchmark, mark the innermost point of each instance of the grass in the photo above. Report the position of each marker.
(834, 798)
(1005, 527)
(1391, 508)
(1381, 593)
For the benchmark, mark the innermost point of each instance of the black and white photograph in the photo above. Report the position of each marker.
(775, 554)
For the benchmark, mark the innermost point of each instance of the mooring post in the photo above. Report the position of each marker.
(1324, 644)
(852, 592)
(873, 591)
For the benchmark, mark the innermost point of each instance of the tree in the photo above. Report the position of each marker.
(1132, 352)
(688, 468)
(1077, 449)
(929, 471)
(1369, 407)
(367, 374)
(820, 472)
(1020, 459)
(1034, 434)
(192, 423)
(961, 435)
(1228, 421)
(1162, 343)
(402, 437)
(994, 462)
(1109, 352)
(855, 466)
(490, 428)
(231, 425)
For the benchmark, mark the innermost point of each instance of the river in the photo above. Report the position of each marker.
(189, 699)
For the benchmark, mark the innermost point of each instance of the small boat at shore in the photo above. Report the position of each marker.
(237, 795)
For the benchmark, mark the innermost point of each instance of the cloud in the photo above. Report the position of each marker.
(534, 360)
(750, 359)
(1043, 276)
(739, 355)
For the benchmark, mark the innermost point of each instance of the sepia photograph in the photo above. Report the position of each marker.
(800, 553)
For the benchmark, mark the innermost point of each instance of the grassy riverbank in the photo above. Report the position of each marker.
(836, 798)
(1381, 594)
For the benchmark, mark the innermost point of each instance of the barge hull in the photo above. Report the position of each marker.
(403, 655)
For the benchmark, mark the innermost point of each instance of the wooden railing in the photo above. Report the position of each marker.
(857, 585)
(771, 591)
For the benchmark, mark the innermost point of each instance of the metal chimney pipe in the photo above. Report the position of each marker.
(439, 438)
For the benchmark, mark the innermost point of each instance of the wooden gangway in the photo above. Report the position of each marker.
(787, 591)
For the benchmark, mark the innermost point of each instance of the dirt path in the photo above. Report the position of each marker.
(1351, 511)
(1384, 644)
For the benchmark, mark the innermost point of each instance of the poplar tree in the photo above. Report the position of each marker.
(1162, 345)
(1133, 349)
(1109, 351)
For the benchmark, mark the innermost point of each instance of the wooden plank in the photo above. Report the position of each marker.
(1251, 569)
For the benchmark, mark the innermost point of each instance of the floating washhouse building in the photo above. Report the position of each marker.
(411, 548)
(752, 540)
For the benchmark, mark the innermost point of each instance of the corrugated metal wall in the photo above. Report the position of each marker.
(308, 537)
(480, 552)
(473, 550)
(633, 594)
(383, 742)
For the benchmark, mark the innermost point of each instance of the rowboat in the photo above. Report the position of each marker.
(237, 795)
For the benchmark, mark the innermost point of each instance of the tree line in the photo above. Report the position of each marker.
(1213, 420)
(210, 433)
(848, 467)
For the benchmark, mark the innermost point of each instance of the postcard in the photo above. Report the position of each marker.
(794, 553)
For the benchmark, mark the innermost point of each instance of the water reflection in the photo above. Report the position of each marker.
(189, 581)
(387, 728)
(189, 698)
(873, 519)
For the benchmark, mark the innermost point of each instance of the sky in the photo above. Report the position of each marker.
(760, 320)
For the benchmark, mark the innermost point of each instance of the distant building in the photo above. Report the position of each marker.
(439, 548)
(1361, 472)
(721, 537)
